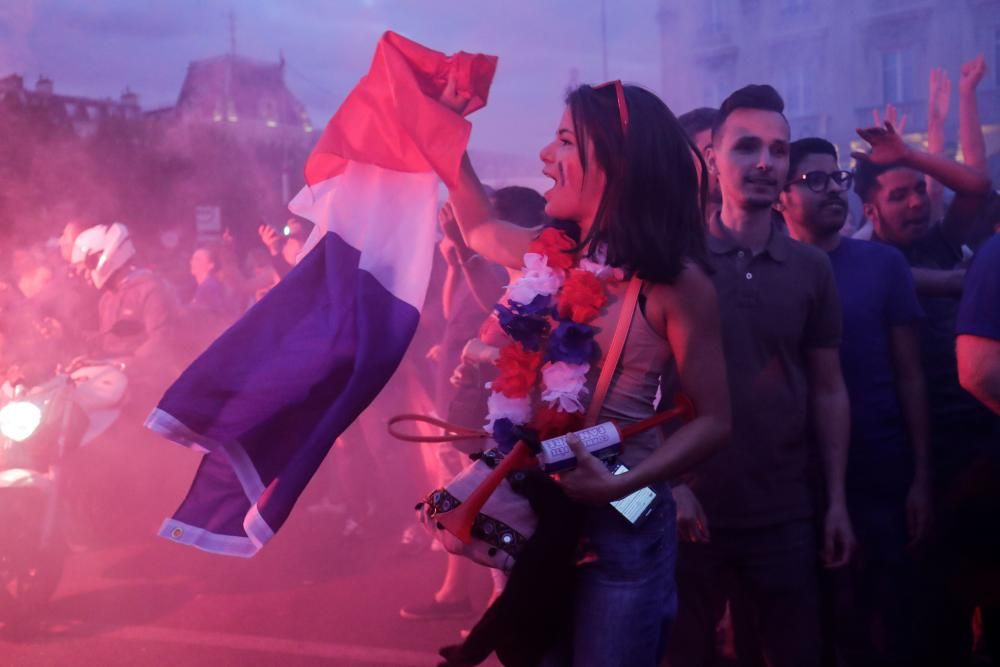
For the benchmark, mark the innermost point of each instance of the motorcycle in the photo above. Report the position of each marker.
(40, 427)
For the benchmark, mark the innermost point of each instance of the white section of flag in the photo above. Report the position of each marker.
(389, 216)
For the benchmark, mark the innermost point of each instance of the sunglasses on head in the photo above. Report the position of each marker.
(622, 107)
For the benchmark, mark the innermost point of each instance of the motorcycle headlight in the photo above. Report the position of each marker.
(19, 419)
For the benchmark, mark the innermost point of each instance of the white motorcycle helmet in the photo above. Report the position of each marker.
(102, 250)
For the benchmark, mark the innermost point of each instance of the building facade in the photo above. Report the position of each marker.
(235, 141)
(83, 115)
(834, 62)
(248, 101)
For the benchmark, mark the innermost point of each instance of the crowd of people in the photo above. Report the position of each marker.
(96, 296)
(90, 292)
(849, 519)
(835, 499)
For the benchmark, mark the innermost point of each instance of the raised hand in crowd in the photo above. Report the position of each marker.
(451, 255)
(971, 186)
(270, 238)
(938, 104)
(939, 96)
(970, 130)
(479, 277)
(972, 74)
(276, 246)
(449, 225)
(891, 115)
(453, 246)
(887, 145)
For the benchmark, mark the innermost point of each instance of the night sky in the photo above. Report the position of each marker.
(98, 47)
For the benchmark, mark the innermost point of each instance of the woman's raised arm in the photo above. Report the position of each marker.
(496, 240)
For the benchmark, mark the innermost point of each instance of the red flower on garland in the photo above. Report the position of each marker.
(518, 371)
(581, 297)
(551, 422)
(555, 245)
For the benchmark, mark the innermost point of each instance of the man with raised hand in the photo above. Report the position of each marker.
(891, 182)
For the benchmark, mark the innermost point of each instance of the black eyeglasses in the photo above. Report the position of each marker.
(819, 181)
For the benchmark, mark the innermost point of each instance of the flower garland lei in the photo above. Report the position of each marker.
(547, 318)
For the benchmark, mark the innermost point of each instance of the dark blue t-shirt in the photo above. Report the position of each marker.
(951, 407)
(979, 314)
(877, 293)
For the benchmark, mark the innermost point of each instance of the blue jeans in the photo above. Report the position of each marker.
(626, 599)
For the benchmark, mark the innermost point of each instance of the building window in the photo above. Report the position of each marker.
(897, 75)
(796, 87)
(268, 111)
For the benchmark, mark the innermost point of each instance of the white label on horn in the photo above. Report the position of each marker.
(600, 440)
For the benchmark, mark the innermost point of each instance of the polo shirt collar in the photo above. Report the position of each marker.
(721, 241)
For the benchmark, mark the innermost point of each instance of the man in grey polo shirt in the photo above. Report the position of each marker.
(758, 545)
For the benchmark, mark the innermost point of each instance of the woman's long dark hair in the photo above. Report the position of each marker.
(650, 215)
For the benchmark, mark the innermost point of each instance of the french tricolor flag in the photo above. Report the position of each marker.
(268, 398)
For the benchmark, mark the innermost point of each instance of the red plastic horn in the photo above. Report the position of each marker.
(460, 520)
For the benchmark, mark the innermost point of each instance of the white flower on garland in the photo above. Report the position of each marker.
(564, 384)
(498, 406)
(538, 278)
(598, 266)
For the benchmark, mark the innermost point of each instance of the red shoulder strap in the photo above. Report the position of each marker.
(614, 349)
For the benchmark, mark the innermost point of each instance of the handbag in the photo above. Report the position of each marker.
(506, 521)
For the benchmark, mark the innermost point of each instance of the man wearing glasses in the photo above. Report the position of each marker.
(888, 481)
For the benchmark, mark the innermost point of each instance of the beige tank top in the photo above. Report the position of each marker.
(634, 386)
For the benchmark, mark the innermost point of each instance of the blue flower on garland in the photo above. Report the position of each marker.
(572, 342)
(540, 306)
(528, 330)
(504, 435)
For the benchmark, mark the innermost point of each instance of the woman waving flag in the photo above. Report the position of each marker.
(268, 398)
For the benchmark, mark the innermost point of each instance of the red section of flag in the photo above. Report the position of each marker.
(392, 118)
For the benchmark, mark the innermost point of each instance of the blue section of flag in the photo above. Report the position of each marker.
(268, 398)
